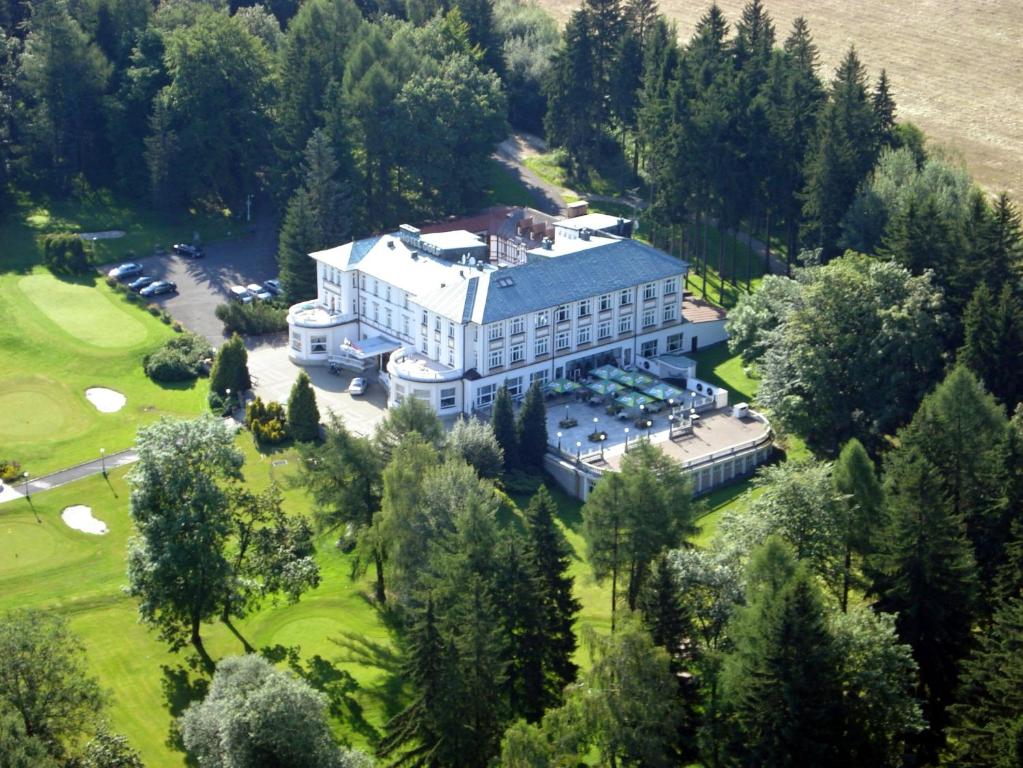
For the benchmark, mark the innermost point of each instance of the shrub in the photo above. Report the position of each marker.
(65, 252)
(267, 421)
(10, 469)
(178, 327)
(181, 358)
(154, 310)
(303, 415)
(217, 403)
(165, 318)
(252, 319)
(111, 281)
(230, 369)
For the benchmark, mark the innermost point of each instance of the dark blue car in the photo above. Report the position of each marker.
(139, 283)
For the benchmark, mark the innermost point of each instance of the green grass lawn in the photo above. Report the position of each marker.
(504, 188)
(60, 338)
(716, 365)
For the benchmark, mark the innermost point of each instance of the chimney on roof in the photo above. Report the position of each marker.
(578, 208)
(547, 243)
(584, 233)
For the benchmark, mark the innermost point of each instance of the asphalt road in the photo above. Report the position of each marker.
(203, 283)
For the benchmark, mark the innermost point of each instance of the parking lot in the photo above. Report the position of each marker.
(204, 283)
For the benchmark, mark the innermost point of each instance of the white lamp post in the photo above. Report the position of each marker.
(559, 442)
(103, 460)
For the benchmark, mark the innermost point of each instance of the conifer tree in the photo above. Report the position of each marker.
(843, 153)
(416, 734)
(861, 498)
(531, 430)
(523, 610)
(993, 347)
(926, 575)
(503, 421)
(318, 215)
(883, 104)
(551, 556)
(303, 415)
(986, 718)
(573, 116)
(783, 679)
(230, 368)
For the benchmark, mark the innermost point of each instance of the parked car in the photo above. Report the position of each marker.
(258, 291)
(141, 282)
(191, 251)
(357, 386)
(240, 294)
(274, 286)
(160, 286)
(128, 269)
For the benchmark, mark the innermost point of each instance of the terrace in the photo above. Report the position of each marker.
(310, 314)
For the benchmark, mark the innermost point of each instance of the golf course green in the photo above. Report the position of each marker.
(60, 338)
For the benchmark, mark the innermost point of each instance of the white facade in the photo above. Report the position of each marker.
(460, 327)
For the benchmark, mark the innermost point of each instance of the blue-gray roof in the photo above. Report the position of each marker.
(549, 282)
(361, 247)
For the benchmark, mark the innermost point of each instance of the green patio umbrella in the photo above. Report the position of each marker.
(642, 380)
(627, 378)
(633, 399)
(603, 387)
(663, 391)
(562, 386)
(606, 372)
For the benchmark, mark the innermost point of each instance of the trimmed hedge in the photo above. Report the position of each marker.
(181, 358)
(253, 319)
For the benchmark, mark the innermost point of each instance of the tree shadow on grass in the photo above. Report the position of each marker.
(390, 689)
(182, 685)
(337, 684)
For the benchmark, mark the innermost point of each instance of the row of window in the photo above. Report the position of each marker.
(584, 309)
(485, 395)
(563, 339)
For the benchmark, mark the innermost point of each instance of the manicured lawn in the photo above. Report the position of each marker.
(716, 365)
(60, 338)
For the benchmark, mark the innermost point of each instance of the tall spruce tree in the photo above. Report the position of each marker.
(843, 153)
(531, 430)
(986, 718)
(573, 92)
(925, 574)
(524, 614)
(783, 679)
(993, 345)
(883, 104)
(861, 499)
(551, 556)
(416, 735)
(318, 215)
(503, 421)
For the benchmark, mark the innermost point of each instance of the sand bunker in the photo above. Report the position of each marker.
(109, 234)
(105, 400)
(80, 518)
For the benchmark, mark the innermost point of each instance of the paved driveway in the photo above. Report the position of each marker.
(203, 283)
(273, 375)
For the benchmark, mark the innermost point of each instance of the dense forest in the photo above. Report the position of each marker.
(864, 609)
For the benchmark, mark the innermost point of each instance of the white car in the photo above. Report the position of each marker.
(240, 294)
(258, 291)
(357, 386)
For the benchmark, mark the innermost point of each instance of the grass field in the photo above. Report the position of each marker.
(954, 66)
(60, 338)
